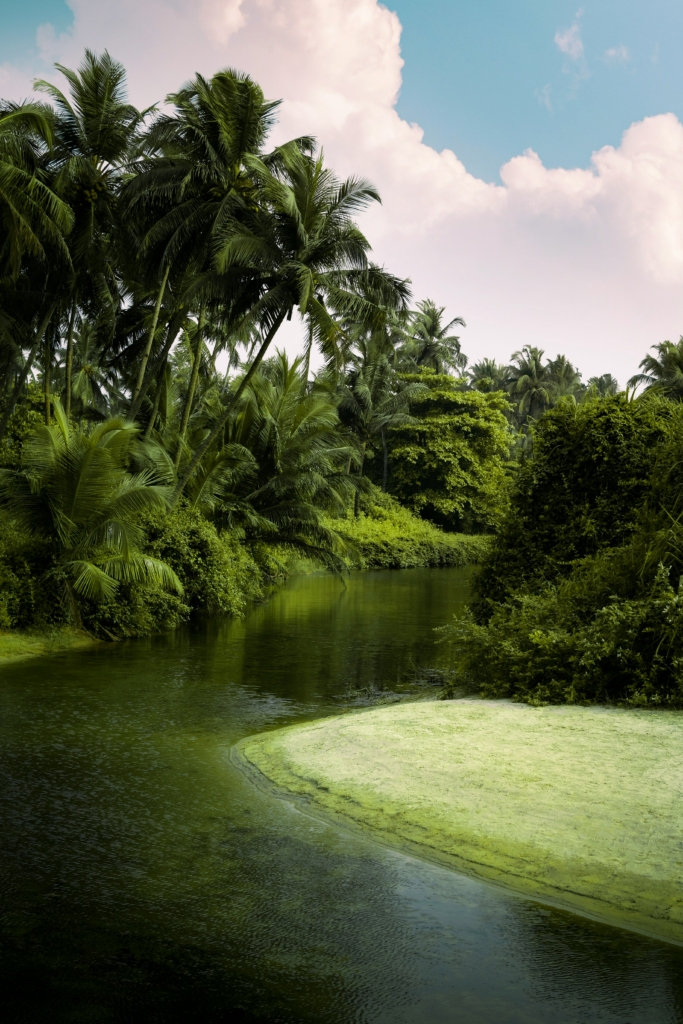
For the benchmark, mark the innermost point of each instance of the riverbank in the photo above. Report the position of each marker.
(579, 807)
(16, 646)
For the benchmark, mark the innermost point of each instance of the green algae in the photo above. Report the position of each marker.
(577, 806)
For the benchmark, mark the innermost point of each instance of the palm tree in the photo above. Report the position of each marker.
(605, 385)
(428, 342)
(191, 179)
(74, 491)
(283, 465)
(95, 129)
(663, 372)
(488, 375)
(373, 399)
(297, 248)
(31, 215)
(33, 252)
(565, 377)
(530, 383)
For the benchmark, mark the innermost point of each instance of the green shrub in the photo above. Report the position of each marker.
(448, 464)
(219, 575)
(576, 644)
(583, 490)
(388, 536)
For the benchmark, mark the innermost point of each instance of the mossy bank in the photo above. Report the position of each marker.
(579, 807)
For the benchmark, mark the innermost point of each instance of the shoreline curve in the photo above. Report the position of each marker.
(575, 807)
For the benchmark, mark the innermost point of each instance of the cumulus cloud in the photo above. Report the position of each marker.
(588, 261)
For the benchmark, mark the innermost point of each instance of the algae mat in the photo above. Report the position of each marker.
(582, 807)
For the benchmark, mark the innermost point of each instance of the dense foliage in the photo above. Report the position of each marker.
(159, 456)
(578, 599)
(448, 462)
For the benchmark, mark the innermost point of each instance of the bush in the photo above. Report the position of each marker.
(388, 536)
(582, 490)
(579, 599)
(448, 464)
(218, 574)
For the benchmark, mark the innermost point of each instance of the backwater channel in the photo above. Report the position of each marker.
(144, 877)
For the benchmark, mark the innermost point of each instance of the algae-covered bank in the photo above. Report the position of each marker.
(577, 806)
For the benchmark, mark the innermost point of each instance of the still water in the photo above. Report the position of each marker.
(143, 877)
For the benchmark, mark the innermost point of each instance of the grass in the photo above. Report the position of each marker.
(35, 642)
(387, 536)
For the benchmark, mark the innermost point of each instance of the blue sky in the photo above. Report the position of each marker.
(487, 78)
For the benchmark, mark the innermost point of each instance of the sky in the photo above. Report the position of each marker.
(529, 152)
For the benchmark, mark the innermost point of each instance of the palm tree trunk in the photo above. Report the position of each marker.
(69, 360)
(385, 471)
(154, 366)
(196, 362)
(155, 408)
(150, 339)
(47, 367)
(223, 418)
(356, 497)
(26, 369)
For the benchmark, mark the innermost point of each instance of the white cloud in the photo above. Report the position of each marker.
(544, 98)
(618, 54)
(569, 42)
(585, 261)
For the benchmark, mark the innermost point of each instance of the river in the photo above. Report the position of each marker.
(143, 877)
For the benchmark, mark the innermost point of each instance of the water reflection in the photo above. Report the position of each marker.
(143, 877)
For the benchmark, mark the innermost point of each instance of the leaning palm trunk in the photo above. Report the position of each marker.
(155, 407)
(26, 369)
(153, 367)
(150, 339)
(69, 360)
(223, 418)
(356, 497)
(196, 362)
(385, 468)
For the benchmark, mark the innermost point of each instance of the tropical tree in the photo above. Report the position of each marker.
(94, 130)
(73, 491)
(565, 377)
(33, 218)
(285, 462)
(530, 383)
(373, 398)
(488, 375)
(606, 385)
(298, 247)
(663, 372)
(428, 342)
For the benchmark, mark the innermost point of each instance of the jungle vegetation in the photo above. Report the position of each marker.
(160, 454)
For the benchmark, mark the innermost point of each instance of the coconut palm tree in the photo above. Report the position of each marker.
(95, 129)
(192, 177)
(74, 491)
(530, 383)
(32, 216)
(605, 385)
(428, 341)
(663, 372)
(285, 462)
(373, 399)
(298, 247)
(565, 377)
(488, 375)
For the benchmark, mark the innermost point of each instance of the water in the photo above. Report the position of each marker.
(143, 877)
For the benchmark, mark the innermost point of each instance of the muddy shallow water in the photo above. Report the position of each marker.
(143, 877)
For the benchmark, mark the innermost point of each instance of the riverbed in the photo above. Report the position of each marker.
(144, 877)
